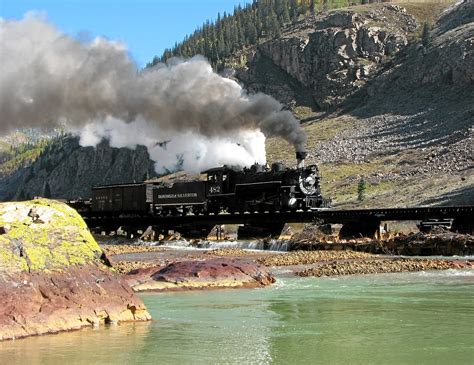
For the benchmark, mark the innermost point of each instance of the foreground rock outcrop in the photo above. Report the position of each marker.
(51, 276)
(209, 274)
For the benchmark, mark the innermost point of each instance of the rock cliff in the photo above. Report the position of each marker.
(331, 55)
(67, 170)
(51, 275)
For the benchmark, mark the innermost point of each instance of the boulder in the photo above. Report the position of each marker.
(214, 273)
(52, 277)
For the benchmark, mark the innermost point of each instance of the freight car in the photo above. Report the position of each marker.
(226, 189)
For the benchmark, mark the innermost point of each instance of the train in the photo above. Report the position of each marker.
(224, 189)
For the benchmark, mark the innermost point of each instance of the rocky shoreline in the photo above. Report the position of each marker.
(209, 274)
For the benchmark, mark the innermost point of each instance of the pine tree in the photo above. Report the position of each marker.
(285, 16)
(293, 10)
(253, 33)
(426, 35)
(47, 191)
(361, 187)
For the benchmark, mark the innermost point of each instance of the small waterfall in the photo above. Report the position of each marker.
(272, 245)
(277, 245)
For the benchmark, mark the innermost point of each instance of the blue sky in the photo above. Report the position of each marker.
(147, 27)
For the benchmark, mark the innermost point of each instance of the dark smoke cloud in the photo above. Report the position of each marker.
(48, 77)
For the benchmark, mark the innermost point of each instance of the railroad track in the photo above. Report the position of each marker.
(463, 216)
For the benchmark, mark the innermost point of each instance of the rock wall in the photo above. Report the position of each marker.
(335, 54)
(51, 276)
(70, 171)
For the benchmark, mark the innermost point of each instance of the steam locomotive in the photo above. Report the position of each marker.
(225, 189)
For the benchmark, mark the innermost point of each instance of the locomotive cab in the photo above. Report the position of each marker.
(219, 189)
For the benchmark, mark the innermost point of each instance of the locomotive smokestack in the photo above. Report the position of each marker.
(300, 157)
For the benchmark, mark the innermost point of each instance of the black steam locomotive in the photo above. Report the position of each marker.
(226, 189)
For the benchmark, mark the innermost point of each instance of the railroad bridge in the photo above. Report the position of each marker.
(356, 222)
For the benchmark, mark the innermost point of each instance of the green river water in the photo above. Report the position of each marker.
(410, 318)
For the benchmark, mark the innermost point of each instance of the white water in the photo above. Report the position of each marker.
(272, 245)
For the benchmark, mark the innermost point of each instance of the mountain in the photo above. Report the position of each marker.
(384, 92)
(376, 102)
(66, 170)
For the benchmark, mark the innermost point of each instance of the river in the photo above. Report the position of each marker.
(408, 318)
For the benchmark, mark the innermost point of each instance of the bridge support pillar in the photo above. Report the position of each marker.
(249, 231)
(463, 225)
(358, 229)
(197, 231)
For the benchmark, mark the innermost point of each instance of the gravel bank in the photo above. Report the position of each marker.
(311, 257)
(383, 266)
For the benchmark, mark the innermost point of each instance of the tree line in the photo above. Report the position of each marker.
(246, 26)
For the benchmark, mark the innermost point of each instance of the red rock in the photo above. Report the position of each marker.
(215, 273)
(37, 303)
(52, 277)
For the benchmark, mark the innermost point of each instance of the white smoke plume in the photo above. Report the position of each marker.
(187, 115)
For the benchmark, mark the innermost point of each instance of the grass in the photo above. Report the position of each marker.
(339, 180)
(425, 11)
(23, 159)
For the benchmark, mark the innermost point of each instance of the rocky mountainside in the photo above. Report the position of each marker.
(397, 113)
(378, 102)
(67, 170)
(329, 56)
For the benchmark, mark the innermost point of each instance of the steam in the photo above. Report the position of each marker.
(185, 114)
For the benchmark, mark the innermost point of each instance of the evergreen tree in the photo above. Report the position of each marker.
(47, 191)
(293, 10)
(361, 187)
(303, 9)
(426, 35)
(252, 33)
(230, 32)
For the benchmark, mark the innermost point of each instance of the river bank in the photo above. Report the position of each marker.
(177, 266)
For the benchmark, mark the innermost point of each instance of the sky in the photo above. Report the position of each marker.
(146, 27)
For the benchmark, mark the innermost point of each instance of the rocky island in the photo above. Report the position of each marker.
(52, 277)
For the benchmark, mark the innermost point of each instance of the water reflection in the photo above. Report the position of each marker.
(107, 344)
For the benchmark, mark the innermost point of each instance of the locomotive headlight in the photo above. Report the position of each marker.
(307, 183)
(292, 202)
(310, 180)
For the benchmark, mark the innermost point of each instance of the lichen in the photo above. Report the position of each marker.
(56, 238)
